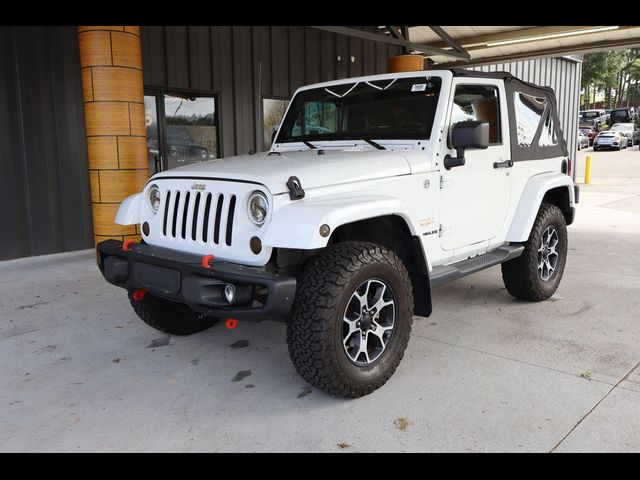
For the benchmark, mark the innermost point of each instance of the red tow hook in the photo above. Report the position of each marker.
(231, 323)
(206, 261)
(126, 245)
(139, 294)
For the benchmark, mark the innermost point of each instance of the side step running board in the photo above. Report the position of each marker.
(447, 273)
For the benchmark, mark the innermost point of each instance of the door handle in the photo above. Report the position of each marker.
(505, 164)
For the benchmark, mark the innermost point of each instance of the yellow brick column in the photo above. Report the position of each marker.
(111, 61)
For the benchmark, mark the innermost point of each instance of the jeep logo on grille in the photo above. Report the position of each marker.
(198, 186)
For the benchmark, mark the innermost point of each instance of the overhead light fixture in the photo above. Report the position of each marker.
(551, 36)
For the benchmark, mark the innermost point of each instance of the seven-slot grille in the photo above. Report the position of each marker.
(199, 216)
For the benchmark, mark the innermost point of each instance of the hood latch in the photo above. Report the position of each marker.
(296, 192)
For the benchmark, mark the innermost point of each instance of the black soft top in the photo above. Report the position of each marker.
(462, 72)
(514, 85)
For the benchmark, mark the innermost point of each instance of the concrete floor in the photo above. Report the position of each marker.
(80, 372)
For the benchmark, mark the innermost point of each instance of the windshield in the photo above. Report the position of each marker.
(590, 114)
(622, 126)
(400, 108)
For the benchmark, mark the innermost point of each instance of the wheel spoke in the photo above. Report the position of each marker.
(362, 348)
(352, 323)
(365, 296)
(549, 268)
(381, 303)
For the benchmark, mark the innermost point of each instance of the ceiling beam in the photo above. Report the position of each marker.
(448, 39)
(394, 31)
(352, 32)
(551, 52)
(480, 41)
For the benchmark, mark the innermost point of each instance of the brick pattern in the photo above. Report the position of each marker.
(113, 92)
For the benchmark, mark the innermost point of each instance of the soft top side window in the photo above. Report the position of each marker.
(480, 103)
(534, 120)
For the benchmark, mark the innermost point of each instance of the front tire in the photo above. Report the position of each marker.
(169, 317)
(536, 274)
(351, 318)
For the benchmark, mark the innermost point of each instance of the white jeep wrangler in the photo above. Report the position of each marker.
(375, 190)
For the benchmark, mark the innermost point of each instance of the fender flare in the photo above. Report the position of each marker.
(531, 199)
(129, 211)
(297, 224)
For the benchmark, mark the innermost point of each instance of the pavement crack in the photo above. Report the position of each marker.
(544, 367)
(595, 406)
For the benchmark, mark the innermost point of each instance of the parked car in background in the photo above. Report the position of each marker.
(629, 130)
(590, 133)
(593, 118)
(622, 115)
(610, 140)
(583, 140)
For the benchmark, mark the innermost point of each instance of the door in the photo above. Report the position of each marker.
(475, 196)
(182, 128)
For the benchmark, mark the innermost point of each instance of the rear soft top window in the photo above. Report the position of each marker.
(534, 126)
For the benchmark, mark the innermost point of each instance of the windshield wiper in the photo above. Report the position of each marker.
(368, 140)
(309, 144)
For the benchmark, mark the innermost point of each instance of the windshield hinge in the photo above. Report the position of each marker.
(445, 228)
(445, 181)
(296, 192)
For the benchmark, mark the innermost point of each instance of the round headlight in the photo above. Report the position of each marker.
(258, 207)
(154, 198)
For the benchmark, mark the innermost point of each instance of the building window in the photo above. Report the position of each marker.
(272, 112)
(182, 129)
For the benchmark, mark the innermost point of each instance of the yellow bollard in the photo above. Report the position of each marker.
(587, 171)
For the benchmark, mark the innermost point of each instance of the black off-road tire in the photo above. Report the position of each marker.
(169, 317)
(314, 327)
(520, 275)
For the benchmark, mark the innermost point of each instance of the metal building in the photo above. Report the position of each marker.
(86, 113)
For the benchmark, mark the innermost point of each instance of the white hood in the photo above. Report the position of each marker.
(313, 170)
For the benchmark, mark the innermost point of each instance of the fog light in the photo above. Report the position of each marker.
(229, 292)
(256, 245)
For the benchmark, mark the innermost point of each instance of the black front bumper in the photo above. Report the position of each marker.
(180, 277)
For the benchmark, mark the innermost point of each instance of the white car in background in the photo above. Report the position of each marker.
(583, 140)
(629, 130)
(610, 140)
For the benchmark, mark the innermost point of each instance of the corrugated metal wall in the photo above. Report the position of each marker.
(561, 74)
(243, 64)
(45, 205)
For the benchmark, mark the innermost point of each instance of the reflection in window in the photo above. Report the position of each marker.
(319, 118)
(529, 110)
(190, 129)
(548, 135)
(272, 112)
(151, 122)
(480, 103)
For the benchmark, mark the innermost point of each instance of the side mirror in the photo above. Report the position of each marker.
(469, 134)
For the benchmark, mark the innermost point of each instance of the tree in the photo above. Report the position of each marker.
(607, 72)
